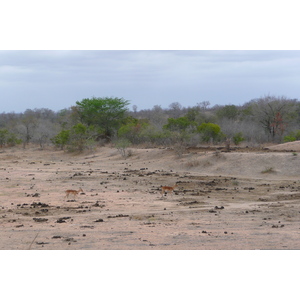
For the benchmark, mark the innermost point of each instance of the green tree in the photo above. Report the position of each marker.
(179, 124)
(61, 139)
(132, 129)
(107, 114)
(209, 131)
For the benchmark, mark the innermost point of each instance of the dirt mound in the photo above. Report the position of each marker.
(291, 146)
(280, 165)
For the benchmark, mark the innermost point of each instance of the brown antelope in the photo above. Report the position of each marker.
(168, 189)
(73, 192)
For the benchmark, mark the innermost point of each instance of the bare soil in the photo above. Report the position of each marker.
(246, 198)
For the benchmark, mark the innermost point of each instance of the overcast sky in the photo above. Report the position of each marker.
(57, 79)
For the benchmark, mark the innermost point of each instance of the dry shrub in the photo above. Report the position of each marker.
(218, 155)
(179, 149)
(192, 163)
(206, 163)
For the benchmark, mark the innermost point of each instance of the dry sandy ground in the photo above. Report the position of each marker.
(243, 199)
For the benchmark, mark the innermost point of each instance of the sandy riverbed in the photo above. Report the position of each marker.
(223, 200)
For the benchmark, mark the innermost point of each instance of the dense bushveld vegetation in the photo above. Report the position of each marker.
(95, 121)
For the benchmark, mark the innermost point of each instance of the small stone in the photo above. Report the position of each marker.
(99, 220)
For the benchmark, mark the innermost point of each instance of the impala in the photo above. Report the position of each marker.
(168, 189)
(73, 192)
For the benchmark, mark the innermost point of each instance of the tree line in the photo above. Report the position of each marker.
(94, 121)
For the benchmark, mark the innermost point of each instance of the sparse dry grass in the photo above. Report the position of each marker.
(192, 163)
(268, 170)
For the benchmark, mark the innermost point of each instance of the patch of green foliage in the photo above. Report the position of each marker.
(238, 138)
(133, 129)
(8, 138)
(209, 131)
(105, 114)
(293, 136)
(179, 124)
(76, 139)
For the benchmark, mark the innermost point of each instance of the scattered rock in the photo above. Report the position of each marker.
(70, 240)
(98, 205)
(221, 207)
(118, 216)
(277, 226)
(78, 174)
(41, 243)
(40, 219)
(63, 219)
(35, 204)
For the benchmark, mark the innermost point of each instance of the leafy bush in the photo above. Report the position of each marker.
(77, 138)
(209, 131)
(8, 138)
(238, 138)
(13, 140)
(150, 134)
(293, 136)
(179, 124)
(289, 138)
(61, 139)
(132, 130)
